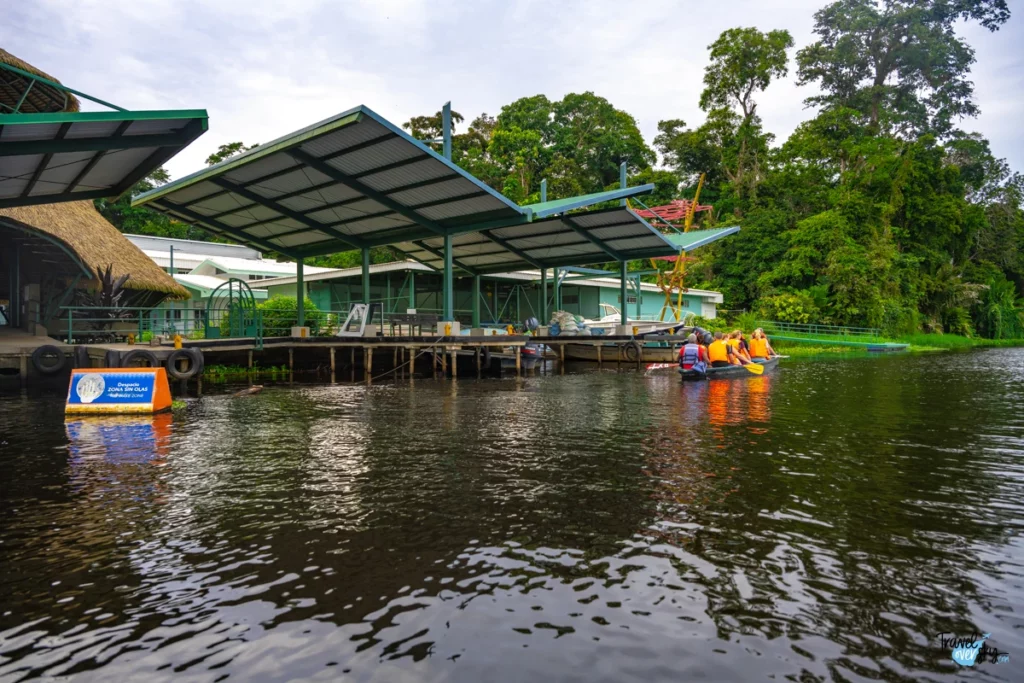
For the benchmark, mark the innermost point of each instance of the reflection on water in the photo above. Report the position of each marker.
(822, 522)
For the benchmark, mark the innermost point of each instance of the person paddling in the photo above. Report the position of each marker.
(693, 356)
(720, 354)
(760, 349)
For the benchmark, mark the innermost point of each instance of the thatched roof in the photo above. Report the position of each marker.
(97, 243)
(41, 99)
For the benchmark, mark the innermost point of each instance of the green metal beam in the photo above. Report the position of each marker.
(448, 285)
(441, 255)
(300, 294)
(623, 277)
(53, 84)
(352, 242)
(590, 238)
(49, 198)
(118, 132)
(190, 216)
(508, 247)
(61, 132)
(106, 143)
(476, 301)
(358, 186)
(365, 273)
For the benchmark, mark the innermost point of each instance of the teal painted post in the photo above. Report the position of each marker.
(476, 301)
(447, 285)
(366, 276)
(300, 294)
(544, 190)
(622, 183)
(638, 304)
(446, 125)
(412, 289)
(623, 277)
(171, 302)
(558, 290)
(543, 285)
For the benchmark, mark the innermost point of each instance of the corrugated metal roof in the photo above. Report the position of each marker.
(699, 238)
(329, 179)
(573, 240)
(59, 157)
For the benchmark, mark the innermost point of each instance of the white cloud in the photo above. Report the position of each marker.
(263, 68)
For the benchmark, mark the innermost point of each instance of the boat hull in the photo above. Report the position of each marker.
(725, 373)
(609, 353)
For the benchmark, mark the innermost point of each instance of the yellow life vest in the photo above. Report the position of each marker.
(759, 348)
(717, 351)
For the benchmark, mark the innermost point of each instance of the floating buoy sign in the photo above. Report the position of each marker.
(118, 390)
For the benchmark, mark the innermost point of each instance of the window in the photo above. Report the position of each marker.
(630, 299)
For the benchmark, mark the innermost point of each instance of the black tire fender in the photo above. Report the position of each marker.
(632, 351)
(194, 368)
(485, 356)
(48, 359)
(81, 356)
(128, 359)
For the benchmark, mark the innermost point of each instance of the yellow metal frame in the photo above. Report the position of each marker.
(674, 281)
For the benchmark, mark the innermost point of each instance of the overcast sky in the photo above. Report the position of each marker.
(263, 68)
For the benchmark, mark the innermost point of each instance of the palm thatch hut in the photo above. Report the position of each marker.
(50, 253)
(40, 98)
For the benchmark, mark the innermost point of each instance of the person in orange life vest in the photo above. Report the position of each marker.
(733, 341)
(693, 354)
(759, 346)
(721, 354)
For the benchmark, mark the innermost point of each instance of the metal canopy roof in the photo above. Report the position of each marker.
(616, 234)
(59, 157)
(688, 241)
(350, 182)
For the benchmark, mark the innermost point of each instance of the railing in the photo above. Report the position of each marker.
(862, 333)
(97, 324)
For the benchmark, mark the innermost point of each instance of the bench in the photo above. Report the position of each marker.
(412, 320)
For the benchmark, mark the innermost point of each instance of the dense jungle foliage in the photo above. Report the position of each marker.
(880, 210)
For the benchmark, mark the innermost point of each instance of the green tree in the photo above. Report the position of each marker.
(227, 151)
(899, 63)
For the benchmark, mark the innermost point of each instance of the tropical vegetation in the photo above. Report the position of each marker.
(882, 209)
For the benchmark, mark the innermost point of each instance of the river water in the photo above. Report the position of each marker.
(823, 522)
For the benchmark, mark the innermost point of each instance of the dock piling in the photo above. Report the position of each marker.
(518, 362)
(455, 373)
(332, 363)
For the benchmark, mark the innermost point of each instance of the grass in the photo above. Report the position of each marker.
(177, 405)
(918, 342)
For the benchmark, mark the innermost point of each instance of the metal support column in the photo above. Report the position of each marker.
(476, 301)
(366, 276)
(171, 301)
(448, 286)
(300, 294)
(623, 290)
(446, 126)
(412, 289)
(543, 283)
(544, 190)
(622, 181)
(639, 303)
(558, 289)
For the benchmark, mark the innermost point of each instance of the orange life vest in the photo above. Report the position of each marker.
(734, 343)
(717, 351)
(759, 348)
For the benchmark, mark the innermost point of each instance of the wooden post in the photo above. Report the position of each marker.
(599, 345)
(291, 359)
(640, 357)
(23, 368)
(618, 356)
(369, 364)
(332, 364)
(444, 364)
(394, 357)
(455, 372)
(518, 361)
(478, 362)
(250, 361)
(561, 359)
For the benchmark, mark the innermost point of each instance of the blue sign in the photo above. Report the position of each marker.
(103, 388)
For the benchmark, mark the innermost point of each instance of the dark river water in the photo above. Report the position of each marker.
(823, 522)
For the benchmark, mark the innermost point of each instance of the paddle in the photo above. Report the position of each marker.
(755, 368)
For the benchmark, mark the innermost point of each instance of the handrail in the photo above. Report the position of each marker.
(816, 329)
(53, 84)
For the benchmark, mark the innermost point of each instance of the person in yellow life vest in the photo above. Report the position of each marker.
(733, 342)
(759, 346)
(719, 353)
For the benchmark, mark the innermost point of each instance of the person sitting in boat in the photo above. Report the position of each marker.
(744, 345)
(733, 342)
(720, 354)
(760, 349)
(693, 356)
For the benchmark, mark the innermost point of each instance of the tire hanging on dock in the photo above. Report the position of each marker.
(194, 368)
(128, 359)
(81, 356)
(632, 351)
(48, 360)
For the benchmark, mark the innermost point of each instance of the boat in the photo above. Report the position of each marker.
(723, 373)
(611, 317)
(610, 353)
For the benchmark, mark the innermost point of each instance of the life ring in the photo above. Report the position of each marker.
(195, 364)
(127, 360)
(81, 356)
(632, 351)
(48, 359)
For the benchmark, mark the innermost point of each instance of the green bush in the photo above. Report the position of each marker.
(280, 314)
(789, 307)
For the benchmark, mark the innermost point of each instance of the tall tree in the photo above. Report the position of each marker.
(897, 62)
(227, 151)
